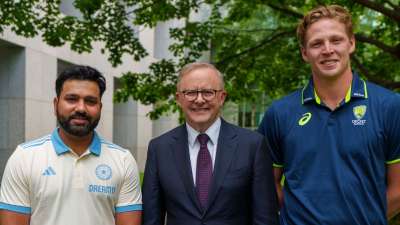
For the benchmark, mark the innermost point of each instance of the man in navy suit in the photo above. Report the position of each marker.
(207, 171)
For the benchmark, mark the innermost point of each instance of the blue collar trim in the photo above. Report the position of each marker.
(358, 90)
(60, 147)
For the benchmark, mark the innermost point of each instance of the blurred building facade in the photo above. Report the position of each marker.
(29, 68)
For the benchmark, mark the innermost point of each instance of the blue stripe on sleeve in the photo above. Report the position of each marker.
(137, 207)
(15, 208)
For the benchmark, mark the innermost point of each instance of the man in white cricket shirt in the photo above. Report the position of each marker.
(72, 176)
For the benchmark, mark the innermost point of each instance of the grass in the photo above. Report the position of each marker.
(141, 174)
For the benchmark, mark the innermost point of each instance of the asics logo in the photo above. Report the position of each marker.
(305, 118)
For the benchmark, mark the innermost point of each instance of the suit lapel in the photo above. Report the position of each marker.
(226, 149)
(182, 161)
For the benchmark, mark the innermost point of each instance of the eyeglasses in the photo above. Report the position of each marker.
(207, 94)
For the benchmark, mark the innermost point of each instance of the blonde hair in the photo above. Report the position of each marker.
(336, 12)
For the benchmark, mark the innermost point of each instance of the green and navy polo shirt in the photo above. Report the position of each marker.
(335, 161)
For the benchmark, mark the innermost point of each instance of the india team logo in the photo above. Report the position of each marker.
(305, 118)
(103, 172)
(359, 113)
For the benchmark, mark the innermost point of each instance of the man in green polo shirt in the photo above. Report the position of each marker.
(337, 140)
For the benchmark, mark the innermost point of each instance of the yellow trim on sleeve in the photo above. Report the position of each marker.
(282, 180)
(393, 161)
(277, 165)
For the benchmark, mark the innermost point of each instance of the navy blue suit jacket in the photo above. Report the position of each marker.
(242, 190)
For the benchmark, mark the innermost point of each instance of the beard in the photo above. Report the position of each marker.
(77, 130)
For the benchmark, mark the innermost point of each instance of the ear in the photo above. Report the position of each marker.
(178, 99)
(222, 97)
(304, 53)
(55, 103)
(352, 44)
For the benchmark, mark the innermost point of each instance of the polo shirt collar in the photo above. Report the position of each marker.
(60, 147)
(358, 89)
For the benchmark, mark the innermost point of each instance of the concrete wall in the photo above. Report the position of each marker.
(12, 99)
(40, 76)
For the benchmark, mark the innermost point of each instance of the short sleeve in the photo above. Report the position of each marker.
(130, 196)
(392, 130)
(14, 193)
(269, 127)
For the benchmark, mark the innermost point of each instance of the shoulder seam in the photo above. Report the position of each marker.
(113, 146)
(36, 142)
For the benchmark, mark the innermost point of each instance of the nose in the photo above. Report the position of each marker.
(80, 106)
(327, 48)
(199, 98)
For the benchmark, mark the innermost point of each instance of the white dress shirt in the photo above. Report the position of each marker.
(194, 145)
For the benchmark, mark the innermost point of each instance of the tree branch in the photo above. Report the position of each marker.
(395, 7)
(393, 14)
(386, 83)
(361, 67)
(245, 30)
(286, 10)
(319, 2)
(140, 8)
(130, 12)
(395, 51)
(263, 42)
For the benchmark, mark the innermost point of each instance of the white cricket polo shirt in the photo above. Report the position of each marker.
(46, 179)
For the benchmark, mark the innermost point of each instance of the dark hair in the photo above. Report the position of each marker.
(80, 73)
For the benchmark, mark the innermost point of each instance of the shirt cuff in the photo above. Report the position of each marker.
(127, 208)
(277, 165)
(393, 161)
(15, 208)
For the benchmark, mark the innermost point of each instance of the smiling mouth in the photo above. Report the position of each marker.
(329, 62)
(200, 110)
